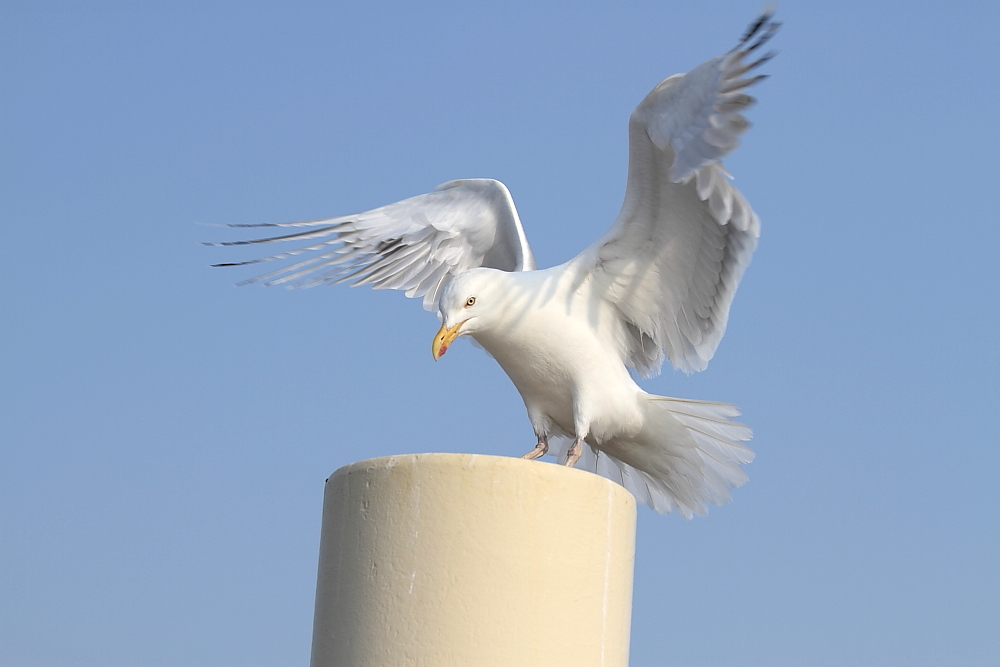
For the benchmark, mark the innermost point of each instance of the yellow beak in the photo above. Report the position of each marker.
(443, 338)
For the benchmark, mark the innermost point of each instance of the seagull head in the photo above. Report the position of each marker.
(469, 303)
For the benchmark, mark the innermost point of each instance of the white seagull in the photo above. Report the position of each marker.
(658, 284)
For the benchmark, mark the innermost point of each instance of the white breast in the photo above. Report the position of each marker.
(557, 346)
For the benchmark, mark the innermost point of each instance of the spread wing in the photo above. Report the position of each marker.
(672, 260)
(417, 244)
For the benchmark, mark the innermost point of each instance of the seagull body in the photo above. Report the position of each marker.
(566, 369)
(657, 285)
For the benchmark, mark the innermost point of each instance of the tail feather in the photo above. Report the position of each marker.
(688, 454)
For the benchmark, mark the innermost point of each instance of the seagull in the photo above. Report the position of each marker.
(657, 285)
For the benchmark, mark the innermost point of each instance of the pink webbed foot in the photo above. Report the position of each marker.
(540, 449)
(574, 453)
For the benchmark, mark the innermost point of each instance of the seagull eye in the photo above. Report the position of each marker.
(471, 301)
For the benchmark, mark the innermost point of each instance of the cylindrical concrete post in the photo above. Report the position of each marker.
(462, 560)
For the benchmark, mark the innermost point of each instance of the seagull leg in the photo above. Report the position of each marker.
(540, 449)
(575, 452)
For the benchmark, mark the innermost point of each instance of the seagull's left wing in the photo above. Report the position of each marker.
(417, 245)
(672, 260)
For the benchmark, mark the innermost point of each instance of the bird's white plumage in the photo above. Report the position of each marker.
(658, 284)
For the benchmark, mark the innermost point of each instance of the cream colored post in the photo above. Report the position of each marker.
(459, 560)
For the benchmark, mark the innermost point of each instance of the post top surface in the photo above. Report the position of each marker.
(499, 464)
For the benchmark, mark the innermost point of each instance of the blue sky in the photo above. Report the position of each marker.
(164, 436)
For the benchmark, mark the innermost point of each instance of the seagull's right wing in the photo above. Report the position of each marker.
(672, 260)
(417, 245)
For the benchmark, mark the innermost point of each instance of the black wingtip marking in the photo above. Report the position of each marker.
(322, 231)
(763, 59)
(251, 261)
(765, 37)
(761, 30)
(756, 26)
(389, 247)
